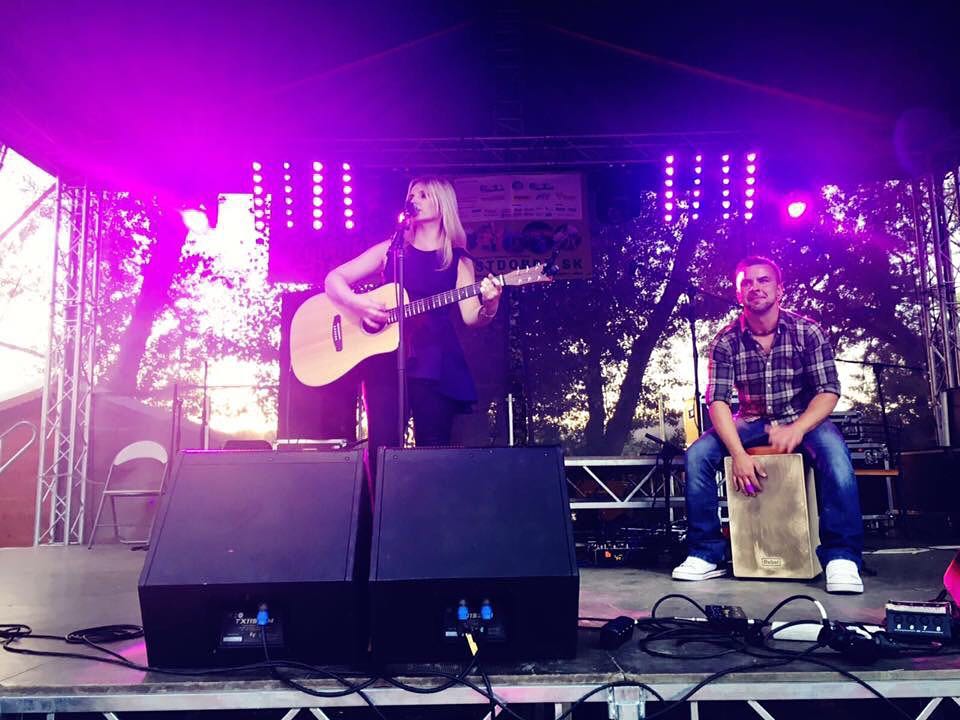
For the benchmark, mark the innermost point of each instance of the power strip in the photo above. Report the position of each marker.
(810, 631)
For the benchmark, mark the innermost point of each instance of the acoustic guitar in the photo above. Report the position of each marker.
(327, 340)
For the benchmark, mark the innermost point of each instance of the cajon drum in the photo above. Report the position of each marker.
(775, 534)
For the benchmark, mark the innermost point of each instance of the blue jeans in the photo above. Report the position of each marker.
(841, 525)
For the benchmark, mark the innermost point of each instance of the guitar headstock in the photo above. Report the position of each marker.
(527, 276)
(539, 273)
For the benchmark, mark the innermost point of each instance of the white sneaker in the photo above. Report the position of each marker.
(843, 577)
(694, 568)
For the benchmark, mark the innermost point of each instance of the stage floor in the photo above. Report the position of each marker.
(56, 590)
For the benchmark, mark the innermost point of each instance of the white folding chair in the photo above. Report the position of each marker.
(140, 450)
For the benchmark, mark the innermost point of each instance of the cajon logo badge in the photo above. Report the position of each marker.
(771, 562)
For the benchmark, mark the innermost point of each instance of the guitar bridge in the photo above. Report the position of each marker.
(337, 332)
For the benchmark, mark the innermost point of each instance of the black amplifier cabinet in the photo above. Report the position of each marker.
(472, 541)
(243, 533)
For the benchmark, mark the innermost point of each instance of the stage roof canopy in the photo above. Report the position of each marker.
(183, 94)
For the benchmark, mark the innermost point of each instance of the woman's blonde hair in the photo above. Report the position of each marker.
(452, 234)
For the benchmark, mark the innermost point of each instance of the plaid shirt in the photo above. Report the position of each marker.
(777, 386)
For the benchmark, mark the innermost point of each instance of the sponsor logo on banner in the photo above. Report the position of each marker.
(515, 221)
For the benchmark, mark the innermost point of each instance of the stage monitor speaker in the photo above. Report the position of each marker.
(312, 413)
(472, 540)
(951, 399)
(928, 481)
(247, 531)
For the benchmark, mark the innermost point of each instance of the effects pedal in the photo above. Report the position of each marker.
(729, 618)
(926, 620)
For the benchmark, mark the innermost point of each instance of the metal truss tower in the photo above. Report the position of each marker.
(508, 123)
(66, 411)
(936, 206)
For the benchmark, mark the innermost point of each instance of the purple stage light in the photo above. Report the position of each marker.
(668, 170)
(796, 209)
(346, 179)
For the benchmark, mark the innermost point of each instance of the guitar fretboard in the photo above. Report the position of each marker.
(432, 302)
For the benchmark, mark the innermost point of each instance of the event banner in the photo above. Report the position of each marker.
(514, 221)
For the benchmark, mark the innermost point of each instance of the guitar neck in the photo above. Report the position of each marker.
(433, 302)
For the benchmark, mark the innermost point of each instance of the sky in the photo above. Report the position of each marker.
(24, 277)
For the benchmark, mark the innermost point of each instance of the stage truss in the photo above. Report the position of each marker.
(66, 410)
(625, 700)
(936, 209)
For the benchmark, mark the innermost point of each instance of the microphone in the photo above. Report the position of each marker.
(408, 213)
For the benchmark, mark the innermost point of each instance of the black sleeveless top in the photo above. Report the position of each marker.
(434, 351)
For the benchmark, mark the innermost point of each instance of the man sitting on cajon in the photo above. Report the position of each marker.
(783, 368)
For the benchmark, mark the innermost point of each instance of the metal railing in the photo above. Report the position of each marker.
(23, 449)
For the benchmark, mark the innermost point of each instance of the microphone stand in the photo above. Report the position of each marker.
(397, 247)
(692, 321)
